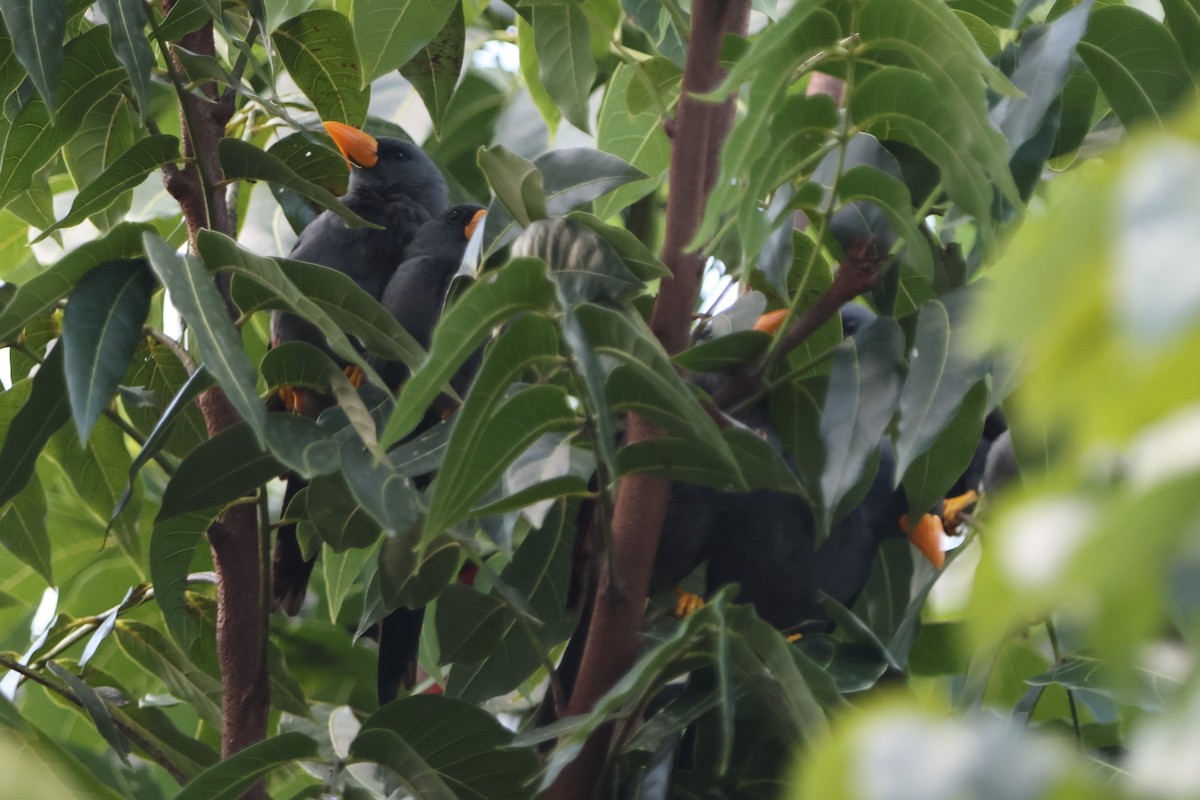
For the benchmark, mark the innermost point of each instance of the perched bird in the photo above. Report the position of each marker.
(416, 292)
(416, 296)
(392, 184)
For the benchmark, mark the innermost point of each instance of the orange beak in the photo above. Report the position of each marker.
(770, 322)
(474, 223)
(360, 148)
(927, 537)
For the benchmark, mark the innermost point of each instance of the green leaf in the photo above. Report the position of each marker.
(55, 282)
(101, 330)
(1183, 19)
(390, 32)
(46, 410)
(723, 353)
(864, 389)
(23, 529)
(107, 131)
(583, 265)
(531, 68)
(37, 30)
(939, 377)
(521, 285)
(90, 72)
(336, 294)
(562, 37)
(220, 253)
(314, 162)
(185, 16)
(235, 775)
(389, 750)
(494, 428)
(931, 475)
(242, 161)
(465, 746)
(228, 466)
(318, 49)
(127, 18)
(890, 195)
(516, 182)
(384, 493)
(302, 365)
(637, 257)
(1137, 63)
(172, 546)
(301, 445)
(97, 471)
(638, 138)
(95, 708)
(337, 518)
(164, 661)
(470, 624)
(341, 572)
(195, 295)
(127, 171)
(434, 71)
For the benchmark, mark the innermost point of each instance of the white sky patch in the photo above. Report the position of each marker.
(498, 55)
(1041, 538)
(1169, 448)
(713, 283)
(42, 619)
(5, 369)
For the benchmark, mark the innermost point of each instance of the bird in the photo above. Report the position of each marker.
(395, 185)
(416, 291)
(416, 296)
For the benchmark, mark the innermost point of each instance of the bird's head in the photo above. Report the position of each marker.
(448, 232)
(389, 167)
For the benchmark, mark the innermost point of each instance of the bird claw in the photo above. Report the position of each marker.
(954, 507)
(795, 637)
(686, 603)
(355, 374)
(293, 399)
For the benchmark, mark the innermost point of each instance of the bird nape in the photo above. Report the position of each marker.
(396, 186)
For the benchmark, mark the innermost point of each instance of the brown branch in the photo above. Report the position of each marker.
(614, 635)
(234, 539)
(857, 274)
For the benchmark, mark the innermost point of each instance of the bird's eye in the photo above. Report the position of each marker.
(402, 156)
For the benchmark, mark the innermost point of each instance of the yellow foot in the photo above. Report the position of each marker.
(686, 603)
(795, 637)
(927, 537)
(355, 374)
(953, 507)
(293, 399)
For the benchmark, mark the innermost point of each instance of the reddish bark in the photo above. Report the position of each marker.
(614, 636)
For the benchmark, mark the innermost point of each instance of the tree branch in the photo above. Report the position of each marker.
(614, 635)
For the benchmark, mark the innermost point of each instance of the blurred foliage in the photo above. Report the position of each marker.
(1030, 172)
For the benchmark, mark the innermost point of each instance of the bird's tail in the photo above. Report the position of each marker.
(290, 570)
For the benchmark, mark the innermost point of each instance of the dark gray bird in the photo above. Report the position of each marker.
(395, 185)
(416, 292)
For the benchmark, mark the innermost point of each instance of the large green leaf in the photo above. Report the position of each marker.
(864, 389)
(101, 330)
(317, 47)
(90, 72)
(516, 182)
(107, 131)
(124, 173)
(1137, 63)
(336, 517)
(226, 467)
(164, 661)
(465, 746)
(381, 491)
(927, 479)
(638, 138)
(195, 295)
(220, 253)
(494, 427)
(127, 18)
(890, 195)
(415, 773)
(235, 775)
(46, 410)
(563, 39)
(522, 285)
(55, 282)
(1183, 19)
(23, 518)
(172, 546)
(390, 32)
(434, 70)
(37, 30)
(243, 161)
(939, 377)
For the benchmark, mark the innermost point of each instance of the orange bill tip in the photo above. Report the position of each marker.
(771, 321)
(360, 148)
(927, 537)
(474, 223)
